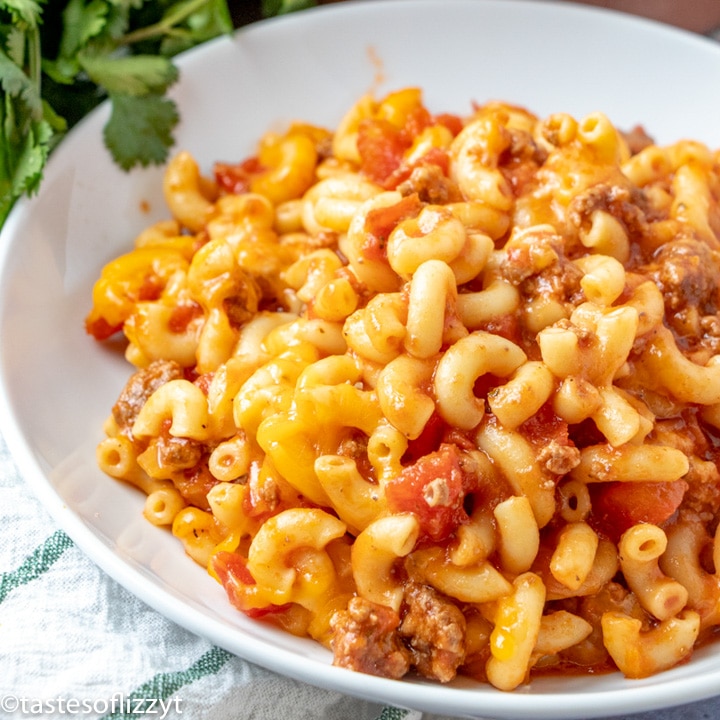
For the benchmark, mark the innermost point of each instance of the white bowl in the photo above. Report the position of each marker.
(57, 385)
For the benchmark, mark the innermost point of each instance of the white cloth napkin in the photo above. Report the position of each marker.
(75, 644)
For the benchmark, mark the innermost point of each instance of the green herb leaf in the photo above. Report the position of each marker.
(60, 58)
(23, 11)
(81, 22)
(139, 131)
(27, 134)
(23, 165)
(282, 7)
(16, 84)
(130, 75)
(15, 45)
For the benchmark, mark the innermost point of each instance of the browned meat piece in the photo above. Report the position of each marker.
(141, 385)
(637, 139)
(194, 485)
(703, 477)
(177, 453)
(559, 459)
(435, 631)
(365, 639)
(521, 160)
(431, 186)
(688, 274)
(538, 265)
(537, 250)
(703, 495)
(627, 205)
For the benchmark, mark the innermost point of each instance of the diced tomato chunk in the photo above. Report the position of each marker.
(234, 576)
(236, 178)
(507, 326)
(453, 123)
(545, 426)
(182, 316)
(617, 506)
(381, 147)
(380, 222)
(417, 120)
(151, 289)
(434, 156)
(101, 329)
(428, 441)
(232, 567)
(433, 488)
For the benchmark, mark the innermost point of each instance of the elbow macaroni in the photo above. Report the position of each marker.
(454, 352)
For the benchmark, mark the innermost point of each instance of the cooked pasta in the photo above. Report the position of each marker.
(438, 391)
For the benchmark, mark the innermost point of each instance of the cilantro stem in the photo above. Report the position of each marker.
(165, 25)
(35, 60)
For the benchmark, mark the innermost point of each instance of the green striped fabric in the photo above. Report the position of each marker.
(159, 687)
(393, 713)
(35, 564)
(163, 685)
(68, 632)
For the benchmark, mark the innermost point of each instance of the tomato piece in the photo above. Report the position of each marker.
(101, 329)
(617, 506)
(236, 178)
(381, 221)
(190, 374)
(428, 441)
(151, 289)
(452, 122)
(433, 488)
(507, 326)
(182, 316)
(231, 569)
(417, 120)
(434, 156)
(196, 482)
(545, 427)
(381, 147)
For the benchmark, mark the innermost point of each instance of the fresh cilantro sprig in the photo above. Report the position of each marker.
(28, 124)
(61, 58)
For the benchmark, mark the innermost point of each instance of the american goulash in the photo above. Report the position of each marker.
(438, 391)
